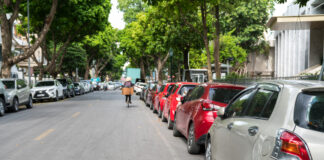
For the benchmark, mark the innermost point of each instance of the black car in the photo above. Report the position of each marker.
(68, 87)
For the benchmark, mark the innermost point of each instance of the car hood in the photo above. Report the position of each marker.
(42, 88)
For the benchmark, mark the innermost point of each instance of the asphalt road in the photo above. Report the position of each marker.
(95, 126)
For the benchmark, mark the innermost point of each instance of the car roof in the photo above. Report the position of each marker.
(187, 83)
(9, 79)
(298, 84)
(222, 84)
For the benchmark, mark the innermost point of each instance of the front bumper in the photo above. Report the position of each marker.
(44, 94)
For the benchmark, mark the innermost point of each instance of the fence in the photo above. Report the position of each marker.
(251, 81)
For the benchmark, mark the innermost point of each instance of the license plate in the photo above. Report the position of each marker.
(40, 95)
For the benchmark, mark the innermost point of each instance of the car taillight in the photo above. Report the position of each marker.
(206, 106)
(290, 146)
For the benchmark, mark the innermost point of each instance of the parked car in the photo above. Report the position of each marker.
(138, 87)
(79, 88)
(3, 99)
(48, 89)
(271, 120)
(18, 94)
(149, 88)
(68, 87)
(86, 87)
(196, 115)
(143, 92)
(110, 86)
(174, 100)
(161, 97)
(90, 83)
(151, 95)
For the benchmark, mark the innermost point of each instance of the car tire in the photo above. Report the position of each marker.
(170, 123)
(73, 94)
(159, 112)
(30, 103)
(57, 97)
(192, 146)
(153, 109)
(2, 107)
(176, 133)
(163, 118)
(208, 153)
(15, 105)
(69, 94)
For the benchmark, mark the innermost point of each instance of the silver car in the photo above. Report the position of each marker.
(272, 120)
(18, 94)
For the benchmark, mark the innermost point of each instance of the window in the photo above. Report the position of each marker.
(239, 104)
(9, 84)
(186, 89)
(162, 88)
(196, 93)
(223, 95)
(170, 88)
(262, 104)
(21, 83)
(175, 88)
(309, 111)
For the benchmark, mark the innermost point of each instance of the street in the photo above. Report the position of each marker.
(95, 126)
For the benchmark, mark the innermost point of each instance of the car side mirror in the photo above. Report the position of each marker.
(19, 86)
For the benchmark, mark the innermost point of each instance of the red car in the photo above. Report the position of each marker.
(151, 95)
(173, 100)
(160, 98)
(197, 113)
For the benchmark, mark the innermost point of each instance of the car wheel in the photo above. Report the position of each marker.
(170, 123)
(159, 112)
(176, 133)
(192, 146)
(15, 105)
(69, 94)
(163, 118)
(56, 97)
(151, 106)
(73, 94)
(30, 103)
(2, 107)
(208, 153)
(154, 111)
(63, 96)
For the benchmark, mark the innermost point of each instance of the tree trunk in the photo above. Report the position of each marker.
(41, 73)
(160, 64)
(186, 63)
(203, 9)
(142, 66)
(6, 34)
(216, 43)
(86, 74)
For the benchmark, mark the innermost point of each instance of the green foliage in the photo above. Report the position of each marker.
(229, 48)
(131, 8)
(74, 58)
(300, 2)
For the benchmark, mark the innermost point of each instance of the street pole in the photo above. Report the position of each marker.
(28, 30)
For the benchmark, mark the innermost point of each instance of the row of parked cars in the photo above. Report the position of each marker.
(268, 120)
(16, 92)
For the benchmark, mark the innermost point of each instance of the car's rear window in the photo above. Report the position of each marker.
(223, 95)
(309, 111)
(186, 88)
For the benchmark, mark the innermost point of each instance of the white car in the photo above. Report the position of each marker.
(138, 88)
(49, 89)
(271, 120)
(87, 87)
(111, 86)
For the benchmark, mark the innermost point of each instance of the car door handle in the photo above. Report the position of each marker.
(230, 126)
(253, 130)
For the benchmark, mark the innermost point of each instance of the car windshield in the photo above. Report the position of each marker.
(44, 84)
(309, 111)
(9, 84)
(63, 82)
(186, 88)
(76, 84)
(223, 95)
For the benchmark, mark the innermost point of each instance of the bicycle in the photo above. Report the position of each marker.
(127, 92)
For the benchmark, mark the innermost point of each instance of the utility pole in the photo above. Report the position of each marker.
(28, 30)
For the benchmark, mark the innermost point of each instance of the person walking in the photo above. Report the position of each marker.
(128, 84)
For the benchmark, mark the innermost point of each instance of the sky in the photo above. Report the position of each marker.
(116, 16)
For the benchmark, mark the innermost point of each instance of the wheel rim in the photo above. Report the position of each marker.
(208, 151)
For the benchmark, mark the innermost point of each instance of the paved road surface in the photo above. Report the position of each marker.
(95, 126)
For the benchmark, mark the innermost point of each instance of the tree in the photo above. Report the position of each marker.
(131, 8)
(14, 7)
(75, 57)
(74, 20)
(300, 2)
